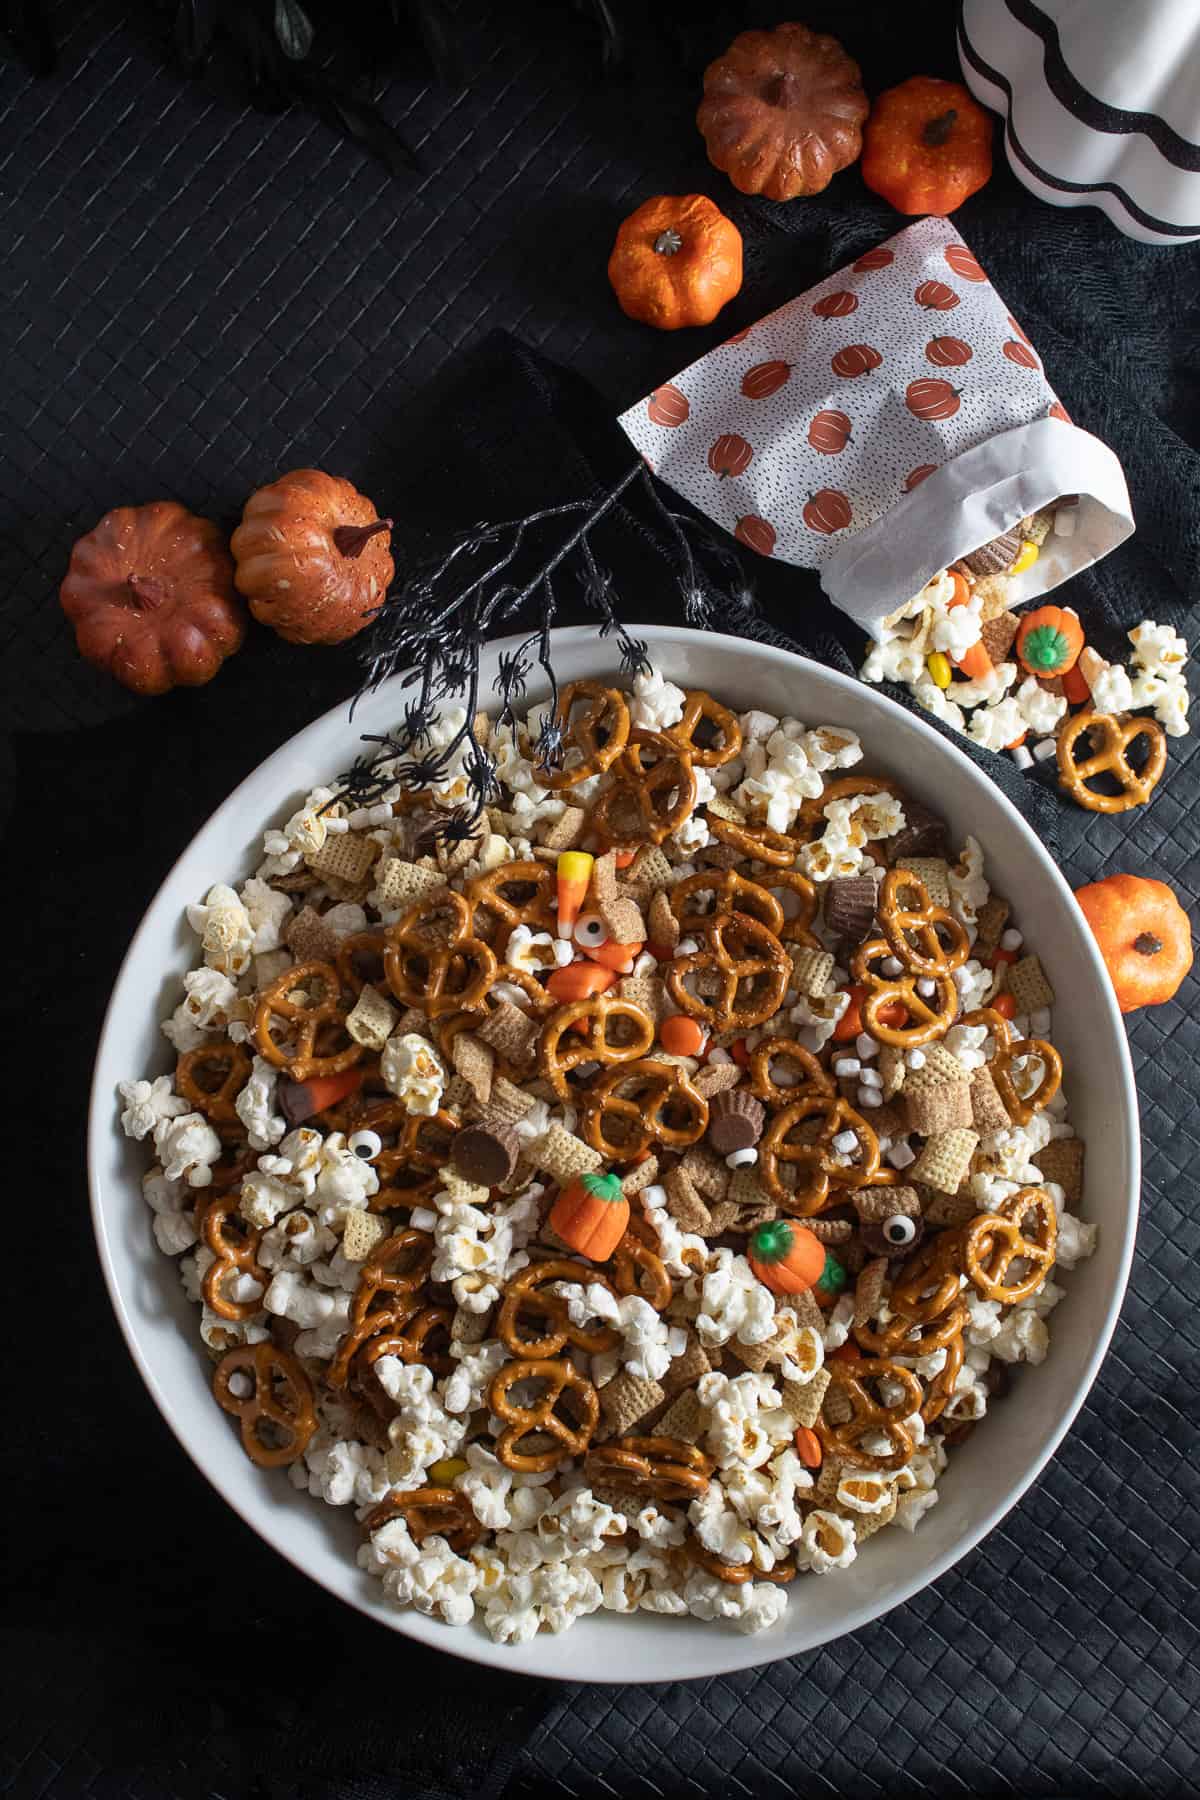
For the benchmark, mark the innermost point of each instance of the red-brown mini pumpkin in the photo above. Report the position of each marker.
(927, 146)
(836, 306)
(765, 379)
(730, 455)
(668, 406)
(879, 258)
(150, 594)
(1020, 354)
(829, 432)
(757, 534)
(782, 111)
(312, 557)
(964, 263)
(947, 352)
(1143, 934)
(855, 359)
(677, 261)
(827, 512)
(930, 399)
(916, 476)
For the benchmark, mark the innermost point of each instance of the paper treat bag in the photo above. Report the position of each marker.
(890, 420)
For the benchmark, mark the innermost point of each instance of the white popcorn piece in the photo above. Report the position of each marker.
(147, 1104)
(225, 930)
(655, 704)
(1109, 682)
(735, 1304)
(187, 1146)
(210, 1002)
(828, 1541)
(266, 908)
(412, 1069)
(255, 1106)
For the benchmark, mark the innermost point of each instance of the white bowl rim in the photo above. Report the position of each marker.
(730, 1652)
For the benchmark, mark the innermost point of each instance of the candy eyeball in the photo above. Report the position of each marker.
(899, 1230)
(742, 1159)
(366, 1144)
(591, 933)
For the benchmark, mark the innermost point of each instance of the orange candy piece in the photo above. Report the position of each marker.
(579, 981)
(808, 1447)
(1005, 1005)
(620, 957)
(682, 1036)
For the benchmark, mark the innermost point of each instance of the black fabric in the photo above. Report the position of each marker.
(196, 299)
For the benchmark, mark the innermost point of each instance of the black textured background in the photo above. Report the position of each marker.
(194, 299)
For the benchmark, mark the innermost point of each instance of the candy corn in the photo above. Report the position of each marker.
(574, 871)
(579, 981)
(620, 957)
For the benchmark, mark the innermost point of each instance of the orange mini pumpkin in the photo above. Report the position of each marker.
(312, 557)
(1144, 937)
(782, 111)
(677, 261)
(150, 593)
(590, 1215)
(786, 1257)
(927, 146)
(1049, 640)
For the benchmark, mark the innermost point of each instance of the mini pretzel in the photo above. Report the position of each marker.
(994, 1241)
(918, 931)
(699, 709)
(599, 733)
(613, 1032)
(728, 892)
(429, 1512)
(639, 1269)
(1020, 1108)
(385, 1298)
(652, 792)
(416, 1147)
(360, 960)
(737, 949)
(235, 1251)
(736, 1574)
(763, 1084)
(282, 1398)
(628, 1108)
(517, 893)
(926, 1288)
(790, 1140)
(940, 1389)
(756, 841)
(409, 1344)
(846, 787)
(927, 1019)
(541, 1000)
(651, 1468)
(796, 928)
(869, 1416)
(526, 1425)
(532, 1291)
(211, 1077)
(309, 1022)
(1115, 735)
(432, 960)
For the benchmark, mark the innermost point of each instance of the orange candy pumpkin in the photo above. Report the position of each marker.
(782, 111)
(312, 557)
(1144, 936)
(1049, 640)
(590, 1215)
(150, 594)
(927, 146)
(677, 261)
(786, 1257)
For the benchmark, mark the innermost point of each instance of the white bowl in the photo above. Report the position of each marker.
(986, 1475)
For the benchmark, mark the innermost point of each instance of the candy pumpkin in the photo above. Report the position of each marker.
(1143, 934)
(927, 146)
(312, 557)
(782, 111)
(1049, 640)
(590, 1214)
(786, 1257)
(677, 261)
(150, 594)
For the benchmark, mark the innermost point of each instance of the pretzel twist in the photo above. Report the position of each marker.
(994, 1241)
(596, 1027)
(662, 1469)
(628, 1108)
(788, 1141)
(652, 792)
(599, 733)
(429, 1512)
(531, 1291)
(308, 1022)
(1116, 735)
(434, 962)
(869, 1416)
(518, 1446)
(745, 967)
(282, 1399)
(211, 1077)
(699, 708)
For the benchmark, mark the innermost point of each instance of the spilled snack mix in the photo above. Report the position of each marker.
(533, 1245)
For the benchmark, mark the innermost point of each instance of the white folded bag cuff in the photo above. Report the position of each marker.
(972, 499)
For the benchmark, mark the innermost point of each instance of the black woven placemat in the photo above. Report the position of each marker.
(197, 299)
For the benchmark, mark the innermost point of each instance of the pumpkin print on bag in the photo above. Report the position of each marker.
(1059, 411)
(931, 399)
(765, 379)
(667, 406)
(836, 306)
(740, 336)
(730, 455)
(855, 359)
(935, 296)
(963, 263)
(1019, 330)
(874, 259)
(1020, 354)
(948, 352)
(827, 512)
(829, 432)
(755, 533)
(916, 476)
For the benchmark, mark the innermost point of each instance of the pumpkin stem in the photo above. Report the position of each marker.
(668, 242)
(352, 540)
(937, 131)
(772, 1241)
(1146, 944)
(146, 593)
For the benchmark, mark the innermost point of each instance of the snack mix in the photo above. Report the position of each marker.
(630, 1206)
(959, 650)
